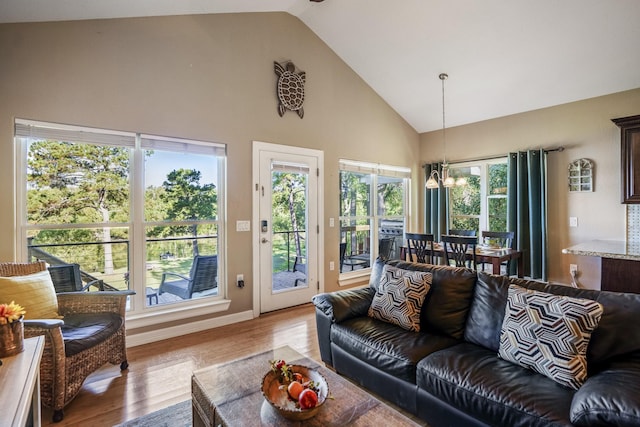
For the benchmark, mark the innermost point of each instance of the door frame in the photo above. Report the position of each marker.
(255, 232)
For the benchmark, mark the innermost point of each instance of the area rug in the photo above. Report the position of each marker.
(178, 415)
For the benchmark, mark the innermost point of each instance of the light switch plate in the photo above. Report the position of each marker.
(243, 225)
(573, 221)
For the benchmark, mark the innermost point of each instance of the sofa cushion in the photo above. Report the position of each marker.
(400, 296)
(612, 337)
(385, 346)
(34, 292)
(83, 331)
(495, 391)
(486, 313)
(611, 397)
(447, 304)
(549, 333)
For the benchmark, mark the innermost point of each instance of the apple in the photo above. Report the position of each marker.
(308, 399)
(295, 389)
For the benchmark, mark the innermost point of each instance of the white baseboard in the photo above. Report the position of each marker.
(134, 339)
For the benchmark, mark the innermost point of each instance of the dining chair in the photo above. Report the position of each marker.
(461, 232)
(501, 239)
(461, 250)
(421, 245)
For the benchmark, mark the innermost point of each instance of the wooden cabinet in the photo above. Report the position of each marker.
(630, 140)
(620, 275)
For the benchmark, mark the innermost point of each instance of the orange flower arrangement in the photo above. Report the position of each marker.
(9, 313)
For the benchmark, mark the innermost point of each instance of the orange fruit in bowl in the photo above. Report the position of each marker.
(294, 389)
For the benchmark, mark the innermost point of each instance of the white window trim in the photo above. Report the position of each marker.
(139, 314)
(483, 218)
(375, 169)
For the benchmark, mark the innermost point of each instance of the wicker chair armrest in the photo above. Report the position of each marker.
(43, 323)
(93, 302)
(53, 363)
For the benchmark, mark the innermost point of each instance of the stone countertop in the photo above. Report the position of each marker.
(618, 249)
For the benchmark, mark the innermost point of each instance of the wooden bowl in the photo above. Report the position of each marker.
(275, 392)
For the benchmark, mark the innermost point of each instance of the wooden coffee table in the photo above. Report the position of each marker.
(229, 395)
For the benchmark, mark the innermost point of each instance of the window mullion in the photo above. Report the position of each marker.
(137, 249)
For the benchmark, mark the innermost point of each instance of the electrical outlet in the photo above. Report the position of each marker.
(573, 269)
(240, 280)
(332, 266)
(573, 221)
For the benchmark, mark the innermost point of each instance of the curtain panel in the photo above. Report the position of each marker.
(527, 209)
(436, 205)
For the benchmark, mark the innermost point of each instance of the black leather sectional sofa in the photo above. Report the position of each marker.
(449, 373)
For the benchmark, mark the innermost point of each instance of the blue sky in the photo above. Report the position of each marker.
(161, 163)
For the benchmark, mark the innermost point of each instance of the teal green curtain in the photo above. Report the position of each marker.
(436, 205)
(527, 209)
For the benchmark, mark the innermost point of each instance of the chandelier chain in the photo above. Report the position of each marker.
(443, 77)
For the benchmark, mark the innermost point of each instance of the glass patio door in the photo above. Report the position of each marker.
(287, 228)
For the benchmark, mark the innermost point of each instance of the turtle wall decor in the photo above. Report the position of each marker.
(289, 88)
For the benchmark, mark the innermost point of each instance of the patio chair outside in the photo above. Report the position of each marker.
(203, 276)
(385, 246)
(68, 278)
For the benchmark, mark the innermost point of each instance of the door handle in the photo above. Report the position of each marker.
(264, 240)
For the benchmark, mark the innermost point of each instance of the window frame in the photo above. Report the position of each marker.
(374, 171)
(483, 217)
(138, 313)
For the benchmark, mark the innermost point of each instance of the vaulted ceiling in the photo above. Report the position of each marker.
(502, 56)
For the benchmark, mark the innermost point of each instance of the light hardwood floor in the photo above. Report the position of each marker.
(159, 373)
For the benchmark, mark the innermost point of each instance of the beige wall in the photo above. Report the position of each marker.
(210, 77)
(585, 130)
(207, 77)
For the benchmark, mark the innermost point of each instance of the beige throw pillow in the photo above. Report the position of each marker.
(34, 292)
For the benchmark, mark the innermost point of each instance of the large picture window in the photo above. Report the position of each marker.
(134, 211)
(373, 213)
(481, 205)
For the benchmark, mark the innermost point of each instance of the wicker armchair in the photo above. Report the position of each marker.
(62, 376)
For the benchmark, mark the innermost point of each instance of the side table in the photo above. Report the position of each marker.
(20, 391)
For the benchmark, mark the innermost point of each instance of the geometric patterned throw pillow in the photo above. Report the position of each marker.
(400, 296)
(549, 334)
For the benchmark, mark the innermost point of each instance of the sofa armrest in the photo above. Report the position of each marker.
(342, 305)
(610, 397)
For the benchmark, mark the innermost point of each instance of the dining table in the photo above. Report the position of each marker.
(484, 254)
